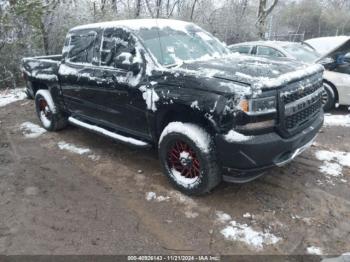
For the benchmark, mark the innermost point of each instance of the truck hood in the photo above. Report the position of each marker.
(257, 72)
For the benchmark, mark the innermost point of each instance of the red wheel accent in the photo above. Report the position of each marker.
(183, 159)
(44, 108)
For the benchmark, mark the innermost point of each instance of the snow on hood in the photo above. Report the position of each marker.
(260, 73)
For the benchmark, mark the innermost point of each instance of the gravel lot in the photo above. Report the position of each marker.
(74, 192)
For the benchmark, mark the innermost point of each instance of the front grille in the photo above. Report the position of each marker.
(294, 121)
(299, 93)
(298, 90)
(300, 102)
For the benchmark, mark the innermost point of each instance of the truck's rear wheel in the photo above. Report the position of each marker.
(50, 116)
(188, 158)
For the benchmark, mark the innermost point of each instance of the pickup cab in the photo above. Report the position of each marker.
(167, 84)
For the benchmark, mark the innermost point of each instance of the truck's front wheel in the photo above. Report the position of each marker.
(188, 158)
(50, 116)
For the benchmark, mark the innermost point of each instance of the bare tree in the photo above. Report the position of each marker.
(263, 12)
(149, 8)
(138, 8)
(192, 9)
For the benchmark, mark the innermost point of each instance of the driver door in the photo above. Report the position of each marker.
(118, 101)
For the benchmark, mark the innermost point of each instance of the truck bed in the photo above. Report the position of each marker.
(41, 68)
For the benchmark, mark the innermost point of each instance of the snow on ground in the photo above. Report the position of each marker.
(150, 196)
(337, 120)
(94, 157)
(242, 232)
(314, 250)
(73, 148)
(189, 204)
(11, 95)
(333, 163)
(31, 130)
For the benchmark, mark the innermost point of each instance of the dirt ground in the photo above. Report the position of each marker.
(53, 201)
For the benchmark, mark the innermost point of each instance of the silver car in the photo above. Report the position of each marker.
(336, 62)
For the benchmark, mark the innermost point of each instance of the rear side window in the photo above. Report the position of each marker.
(81, 47)
(268, 51)
(117, 47)
(243, 49)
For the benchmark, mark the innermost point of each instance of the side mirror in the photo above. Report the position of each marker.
(126, 61)
(135, 68)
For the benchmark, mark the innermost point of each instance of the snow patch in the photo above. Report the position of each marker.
(247, 215)
(332, 169)
(233, 136)
(337, 120)
(31, 130)
(235, 231)
(94, 157)
(189, 204)
(343, 158)
(222, 217)
(314, 250)
(72, 148)
(153, 196)
(11, 96)
(333, 163)
(150, 96)
(194, 105)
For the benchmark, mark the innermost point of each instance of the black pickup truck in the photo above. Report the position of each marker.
(213, 115)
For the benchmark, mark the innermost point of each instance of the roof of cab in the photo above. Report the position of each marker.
(136, 24)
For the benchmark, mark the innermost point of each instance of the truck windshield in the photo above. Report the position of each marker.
(172, 46)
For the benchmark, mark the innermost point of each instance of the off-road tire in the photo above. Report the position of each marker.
(201, 145)
(48, 113)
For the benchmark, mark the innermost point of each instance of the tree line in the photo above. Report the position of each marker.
(38, 27)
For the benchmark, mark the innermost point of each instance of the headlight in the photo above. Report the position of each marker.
(259, 106)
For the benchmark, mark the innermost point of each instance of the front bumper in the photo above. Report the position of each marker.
(264, 151)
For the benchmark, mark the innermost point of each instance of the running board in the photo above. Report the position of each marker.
(105, 132)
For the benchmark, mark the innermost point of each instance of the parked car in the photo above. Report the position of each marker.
(171, 85)
(336, 76)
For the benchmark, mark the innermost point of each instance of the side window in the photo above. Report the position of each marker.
(244, 49)
(117, 48)
(81, 47)
(268, 51)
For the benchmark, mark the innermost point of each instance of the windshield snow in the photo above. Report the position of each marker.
(302, 52)
(170, 46)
